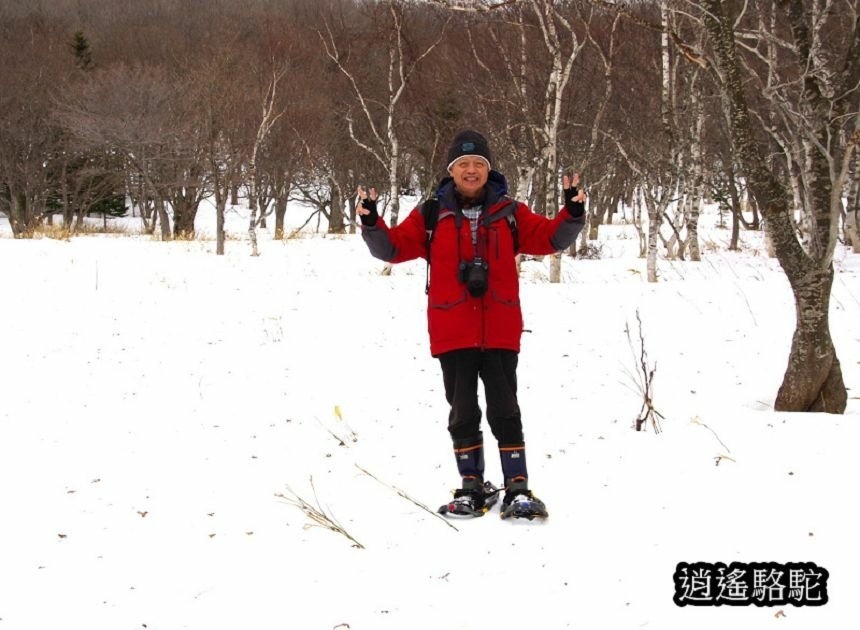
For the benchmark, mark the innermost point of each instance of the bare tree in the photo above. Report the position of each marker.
(821, 101)
(601, 204)
(135, 118)
(553, 23)
(270, 113)
(380, 109)
(31, 144)
(224, 106)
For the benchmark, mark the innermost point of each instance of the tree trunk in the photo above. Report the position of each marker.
(698, 179)
(280, 213)
(163, 219)
(736, 211)
(352, 213)
(67, 206)
(593, 216)
(656, 209)
(852, 207)
(557, 81)
(220, 203)
(336, 224)
(147, 213)
(252, 198)
(184, 213)
(637, 223)
(267, 121)
(813, 380)
(693, 227)
(17, 219)
(393, 180)
(150, 190)
(264, 213)
(525, 174)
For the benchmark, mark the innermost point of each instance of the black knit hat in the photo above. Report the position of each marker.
(469, 142)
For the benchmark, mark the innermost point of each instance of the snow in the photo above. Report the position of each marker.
(155, 401)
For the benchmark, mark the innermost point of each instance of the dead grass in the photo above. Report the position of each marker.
(64, 233)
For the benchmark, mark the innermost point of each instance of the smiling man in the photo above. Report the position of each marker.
(470, 234)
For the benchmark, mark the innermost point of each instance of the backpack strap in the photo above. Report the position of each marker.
(430, 213)
(507, 212)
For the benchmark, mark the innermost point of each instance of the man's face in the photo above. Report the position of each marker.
(470, 175)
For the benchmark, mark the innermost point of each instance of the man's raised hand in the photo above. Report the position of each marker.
(367, 206)
(574, 200)
(570, 189)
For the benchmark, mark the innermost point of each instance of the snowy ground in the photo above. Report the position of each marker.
(155, 399)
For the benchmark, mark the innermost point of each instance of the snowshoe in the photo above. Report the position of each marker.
(472, 501)
(522, 504)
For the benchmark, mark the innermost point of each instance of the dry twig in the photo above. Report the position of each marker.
(340, 440)
(317, 513)
(403, 494)
(643, 378)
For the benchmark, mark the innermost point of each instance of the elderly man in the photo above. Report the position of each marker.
(470, 234)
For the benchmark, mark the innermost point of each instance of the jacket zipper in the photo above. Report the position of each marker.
(484, 297)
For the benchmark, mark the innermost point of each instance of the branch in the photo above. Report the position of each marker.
(698, 420)
(403, 494)
(644, 382)
(404, 78)
(379, 158)
(690, 53)
(317, 513)
(334, 55)
(851, 67)
(473, 6)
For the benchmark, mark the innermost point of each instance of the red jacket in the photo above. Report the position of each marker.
(456, 319)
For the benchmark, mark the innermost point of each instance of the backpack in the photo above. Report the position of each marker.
(430, 212)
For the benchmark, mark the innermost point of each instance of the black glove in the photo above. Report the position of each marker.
(574, 208)
(369, 219)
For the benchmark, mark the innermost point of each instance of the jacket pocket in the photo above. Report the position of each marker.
(449, 299)
(513, 301)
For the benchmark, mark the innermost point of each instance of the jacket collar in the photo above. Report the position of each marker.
(495, 188)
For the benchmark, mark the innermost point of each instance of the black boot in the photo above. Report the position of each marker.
(473, 499)
(514, 469)
(470, 461)
(519, 502)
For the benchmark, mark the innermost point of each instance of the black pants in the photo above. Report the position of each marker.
(498, 371)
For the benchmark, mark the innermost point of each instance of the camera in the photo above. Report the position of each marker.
(474, 276)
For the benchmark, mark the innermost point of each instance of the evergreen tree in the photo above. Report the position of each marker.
(112, 206)
(81, 50)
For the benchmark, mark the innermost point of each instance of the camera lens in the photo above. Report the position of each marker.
(476, 281)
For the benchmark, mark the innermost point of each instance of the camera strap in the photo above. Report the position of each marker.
(430, 213)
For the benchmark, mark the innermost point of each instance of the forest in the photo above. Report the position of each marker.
(110, 107)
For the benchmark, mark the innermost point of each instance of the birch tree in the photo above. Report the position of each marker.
(380, 110)
(597, 211)
(269, 115)
(552, 21)
(822, 102)
(504, 58)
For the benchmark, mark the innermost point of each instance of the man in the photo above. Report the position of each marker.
(470, 240)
